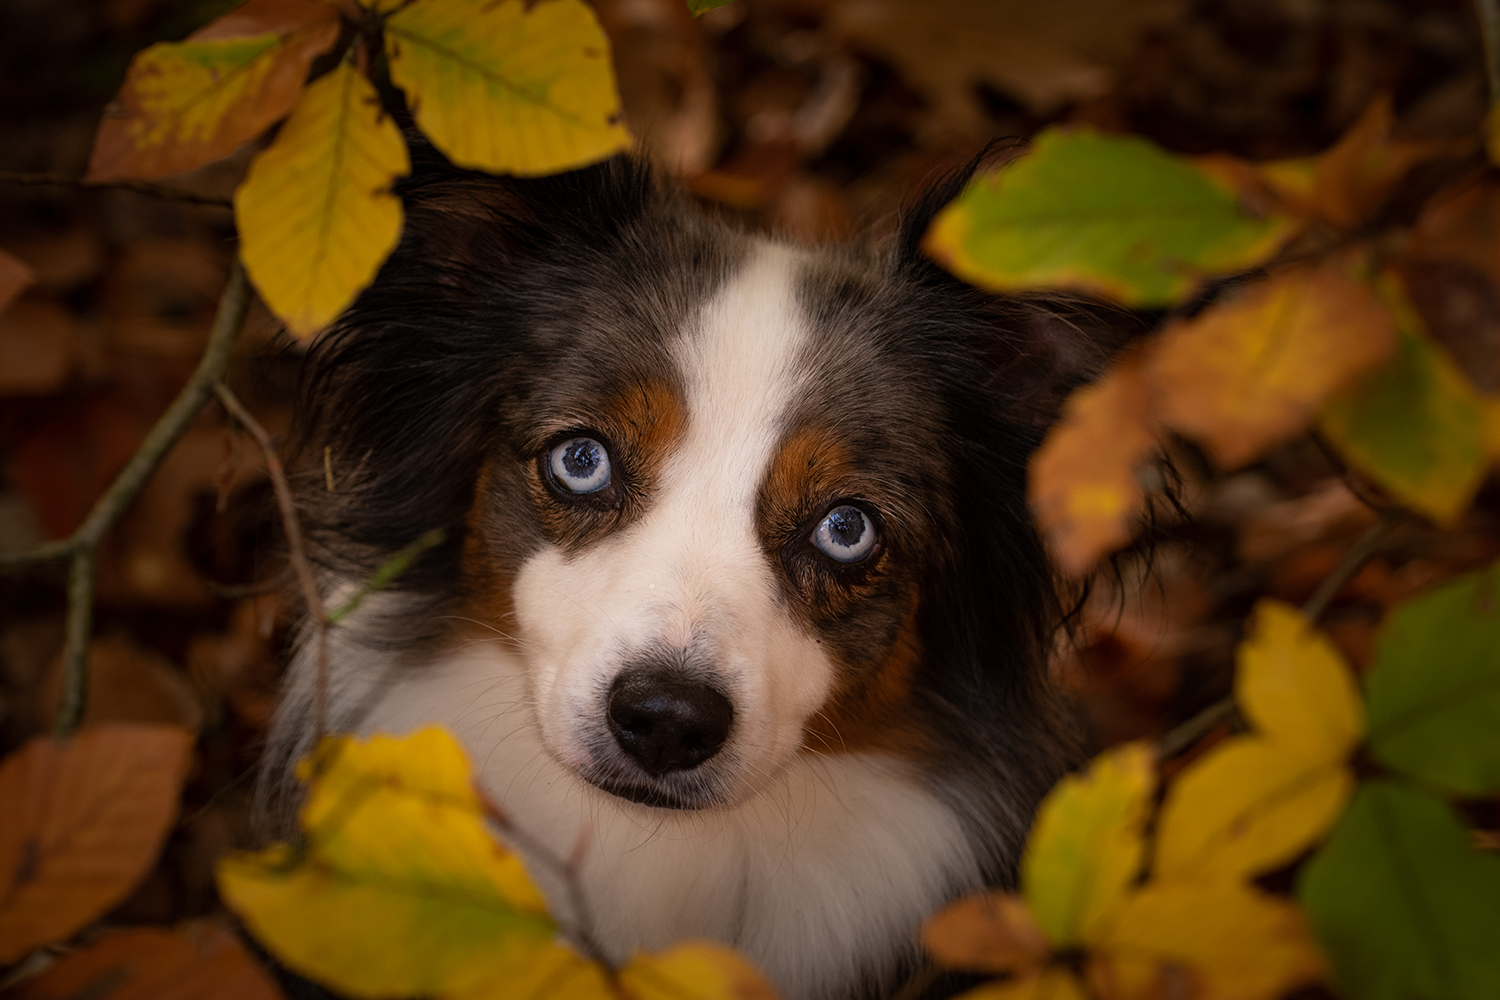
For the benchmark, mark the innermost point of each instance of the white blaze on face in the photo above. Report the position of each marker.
(692, 571)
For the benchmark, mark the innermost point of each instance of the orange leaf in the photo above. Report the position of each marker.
(184, 104)
(194, 961)
(1252, 371)
(1082, 480)
(14, 277)
(1353, 177)
(987, 932)
(84, 820)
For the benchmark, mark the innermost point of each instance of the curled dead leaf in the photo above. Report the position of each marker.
(987, 932)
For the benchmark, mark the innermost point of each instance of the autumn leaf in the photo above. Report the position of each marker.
(697, 7)
(693, 970)
(1086, 845)
(1110, 215)
(1355, 175)
(507, 86)
(1255, 802)
(184, 104)
(1403, 903)
(15, 277)
(1415, 425)
(1082, 480)
(84, 820)
(1434, 687)
(315, 213)
(1252, 371)
(988, 932)
(400, 889)
(196, 960)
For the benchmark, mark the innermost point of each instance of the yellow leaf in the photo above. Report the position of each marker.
(554, 973)
(399, 889)
(315, 214)
(693, 970)
(1249, 806)
(506, 86)
(1052, 984)
(1252, 371)
(987, 932)
(1238, 943)
(184, 104)
(1293, 686)
(1086, 846)
(1082, 480)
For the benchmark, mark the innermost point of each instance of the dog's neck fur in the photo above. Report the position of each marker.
(821, 879)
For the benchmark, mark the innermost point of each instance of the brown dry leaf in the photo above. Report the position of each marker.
(1251, 372)
(184, 104)
(1352, 178)
(1082, 480)
(38, 347)
(988, 932)
(15, 276)
(197, 960)
(127, 683)
(84, 820)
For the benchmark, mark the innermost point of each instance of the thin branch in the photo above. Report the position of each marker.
(159, 191)
(296, 551)
(83, 545)
(1188, 733)
(1488, 12)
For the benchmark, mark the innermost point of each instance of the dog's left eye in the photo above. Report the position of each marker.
(580, 465)
(845, 534)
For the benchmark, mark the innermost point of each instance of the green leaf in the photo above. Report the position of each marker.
(704, 6)
(1434, 689)
(1414, 425)
(1403, 904)
(1110, 215)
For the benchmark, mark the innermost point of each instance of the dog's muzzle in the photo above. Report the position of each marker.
(667, 721)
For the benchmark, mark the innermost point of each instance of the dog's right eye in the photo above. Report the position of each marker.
(579, 465)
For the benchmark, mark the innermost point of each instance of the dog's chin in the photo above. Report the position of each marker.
(648, 793)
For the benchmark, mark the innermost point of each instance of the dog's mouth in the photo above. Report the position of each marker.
(646, 795)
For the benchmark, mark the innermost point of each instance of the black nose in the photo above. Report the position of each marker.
(666, 721)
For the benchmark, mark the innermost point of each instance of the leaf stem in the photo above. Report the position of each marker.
(160, 191)
(82, 546)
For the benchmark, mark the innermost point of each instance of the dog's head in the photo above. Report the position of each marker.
(730, 500)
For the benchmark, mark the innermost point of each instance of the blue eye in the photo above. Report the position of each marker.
(580, 465)
(846, 535)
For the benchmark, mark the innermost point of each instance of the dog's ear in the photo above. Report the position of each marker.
(1036, 347)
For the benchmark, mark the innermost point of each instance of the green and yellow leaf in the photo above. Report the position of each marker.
(1111, 215)
(1293, 685)
(1415, 425)
(1252, 371)
(1086, 847)
(316, 215)
(507, 86)
(184, 104)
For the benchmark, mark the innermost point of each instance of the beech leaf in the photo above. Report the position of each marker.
(1111, 215)
(184, 104)
(197, 960)
(1086, 845)
(987, 932)
(84, 820)
(1434, 687)
(507, 86)
(400, 889)
(1402, 902)
(1250, 372)
(1416, 426)
(316, 215)
(1082, 480)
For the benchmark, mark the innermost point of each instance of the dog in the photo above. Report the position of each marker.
(739, 588)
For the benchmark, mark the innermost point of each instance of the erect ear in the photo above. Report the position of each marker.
(1038, 347)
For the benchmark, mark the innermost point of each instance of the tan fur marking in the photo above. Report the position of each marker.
(868, 710)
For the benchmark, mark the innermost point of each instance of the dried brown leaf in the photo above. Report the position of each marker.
(84, 819)
(15, 276)
(989, 932)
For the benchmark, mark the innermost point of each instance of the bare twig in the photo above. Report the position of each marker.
(139, 187)
(1186, 734)
(1489, 26)
(82, 546)
(296, 551)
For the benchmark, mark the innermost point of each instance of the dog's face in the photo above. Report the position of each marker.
(730, 501)
(729, 524)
